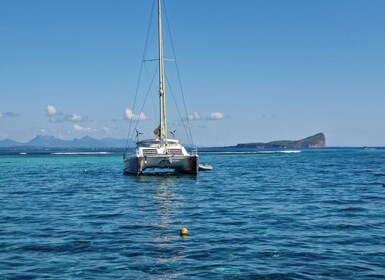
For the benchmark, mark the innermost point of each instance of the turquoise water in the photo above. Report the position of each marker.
(314, 214)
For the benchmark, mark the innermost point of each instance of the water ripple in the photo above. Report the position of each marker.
(317, 214)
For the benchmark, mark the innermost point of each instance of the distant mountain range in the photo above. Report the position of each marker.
(42, 141)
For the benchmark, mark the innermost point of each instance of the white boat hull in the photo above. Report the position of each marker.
(136, 165)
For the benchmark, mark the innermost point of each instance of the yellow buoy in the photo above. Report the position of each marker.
(183, 232)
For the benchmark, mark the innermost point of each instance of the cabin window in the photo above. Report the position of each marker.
(149, 152)
(175, 151)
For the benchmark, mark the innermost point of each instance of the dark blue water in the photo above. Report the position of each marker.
(317, 214)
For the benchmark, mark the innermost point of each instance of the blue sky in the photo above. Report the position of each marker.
(252, 70)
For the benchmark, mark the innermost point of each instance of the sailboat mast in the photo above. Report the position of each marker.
(162, 90)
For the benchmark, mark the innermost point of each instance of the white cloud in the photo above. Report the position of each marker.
(134, 117)
(82, 129)
(194, 116)
(76, 118)
(56, 116)
(8, 115)
(215, 116)
(51, 110)
(105, 129)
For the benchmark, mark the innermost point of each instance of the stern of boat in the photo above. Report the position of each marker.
(190, 166)
(133, 165)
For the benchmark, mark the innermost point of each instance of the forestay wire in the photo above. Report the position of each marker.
(129, 135)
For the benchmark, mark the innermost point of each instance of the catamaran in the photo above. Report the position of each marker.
(160, 152)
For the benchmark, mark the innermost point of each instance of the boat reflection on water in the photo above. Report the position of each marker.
(167, 202)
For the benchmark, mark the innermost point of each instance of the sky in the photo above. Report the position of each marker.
(251, 70)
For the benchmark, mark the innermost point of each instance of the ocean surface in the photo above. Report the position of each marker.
(310, 214)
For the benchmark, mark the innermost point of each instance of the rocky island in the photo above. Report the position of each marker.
(315, 141)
